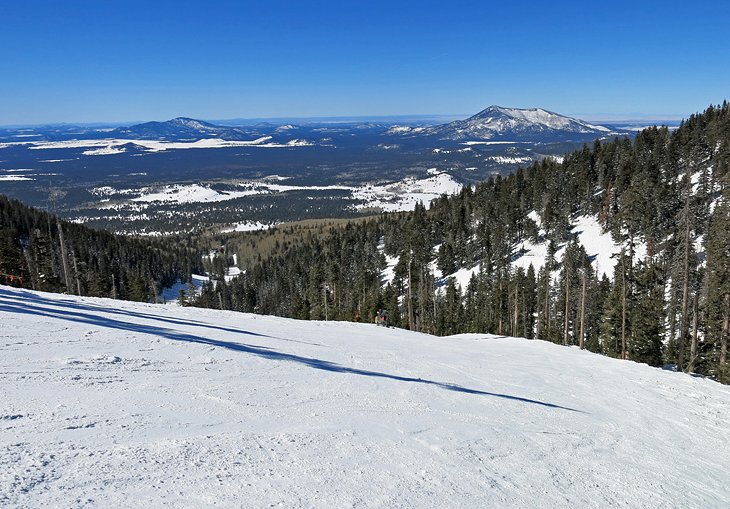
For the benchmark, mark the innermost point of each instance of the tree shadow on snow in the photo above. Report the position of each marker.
(259, 351)
(74, 304)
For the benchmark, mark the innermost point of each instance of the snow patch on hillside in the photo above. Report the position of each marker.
(248, 226)
(191, 193)
(463, 276)
(387, 275)
(405, 194)
(510, 159)
(171, 294)
(14, 178)
(115, 146)
(599, 245)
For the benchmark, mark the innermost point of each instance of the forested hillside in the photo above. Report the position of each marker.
(663, 197)
(41, 252)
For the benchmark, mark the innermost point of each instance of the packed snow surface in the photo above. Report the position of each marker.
(116, 404)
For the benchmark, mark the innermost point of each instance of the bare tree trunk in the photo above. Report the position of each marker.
(153, 286)
(499, 308)
(114, 288)
(539, 315)
(76, 274)
(693, 345)
(684, 328)
(410, 295)
(433, 300)
(421, 302)
(567, 300)
(724, 331)
(324, 297)
(515, 332)
(64, 258)
(623, 307)
(547, 302)
(581, 337)
(31, 272)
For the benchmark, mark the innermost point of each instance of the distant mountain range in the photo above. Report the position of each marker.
(496, 122)
(534, 125)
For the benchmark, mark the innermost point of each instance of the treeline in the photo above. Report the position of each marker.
(39, 251)
(666, 303)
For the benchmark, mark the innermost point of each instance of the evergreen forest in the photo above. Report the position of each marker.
(668, 191)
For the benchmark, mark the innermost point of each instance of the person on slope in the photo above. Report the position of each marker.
(382, 318)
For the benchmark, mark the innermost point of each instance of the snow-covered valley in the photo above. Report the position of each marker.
(111, 404)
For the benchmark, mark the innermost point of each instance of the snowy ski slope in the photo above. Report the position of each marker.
(114, 404)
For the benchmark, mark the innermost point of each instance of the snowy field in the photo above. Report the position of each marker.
(115, 404)
(396, 196)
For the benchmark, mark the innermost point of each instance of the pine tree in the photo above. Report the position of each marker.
(718, 285)
(647, 317)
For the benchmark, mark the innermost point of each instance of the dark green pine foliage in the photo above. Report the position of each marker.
(647, 316)
(715, 354)
(100, 264)
(662, 196)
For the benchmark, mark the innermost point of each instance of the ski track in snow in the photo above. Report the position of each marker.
(117, 404)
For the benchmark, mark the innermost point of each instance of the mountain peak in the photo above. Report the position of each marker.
(190, 123)
(499, 121)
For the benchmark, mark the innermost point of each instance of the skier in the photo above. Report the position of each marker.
(381, 318)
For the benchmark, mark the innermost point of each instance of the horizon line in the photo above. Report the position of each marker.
(609, 118)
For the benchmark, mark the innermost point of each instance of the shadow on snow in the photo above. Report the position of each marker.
(8, 305)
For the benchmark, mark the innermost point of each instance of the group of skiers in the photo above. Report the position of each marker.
(381, 318)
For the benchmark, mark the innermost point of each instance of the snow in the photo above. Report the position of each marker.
(114, 146)
(117, 404)
(473, 142)
(248, 226)
(192, 193)
(171, 293)
(405, 194)
(104, 151)
(394, 196)
(498, 121)
(549, 119)
(14, 178)
(387, 275)
(510, 159)
(405, 129)
(462, 276)
(599, 246)
(233, 271)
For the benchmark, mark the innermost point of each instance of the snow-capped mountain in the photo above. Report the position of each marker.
(516, 123)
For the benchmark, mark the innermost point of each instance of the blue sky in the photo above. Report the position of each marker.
(86, 61)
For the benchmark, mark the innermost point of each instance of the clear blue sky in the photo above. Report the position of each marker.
(85, 61)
